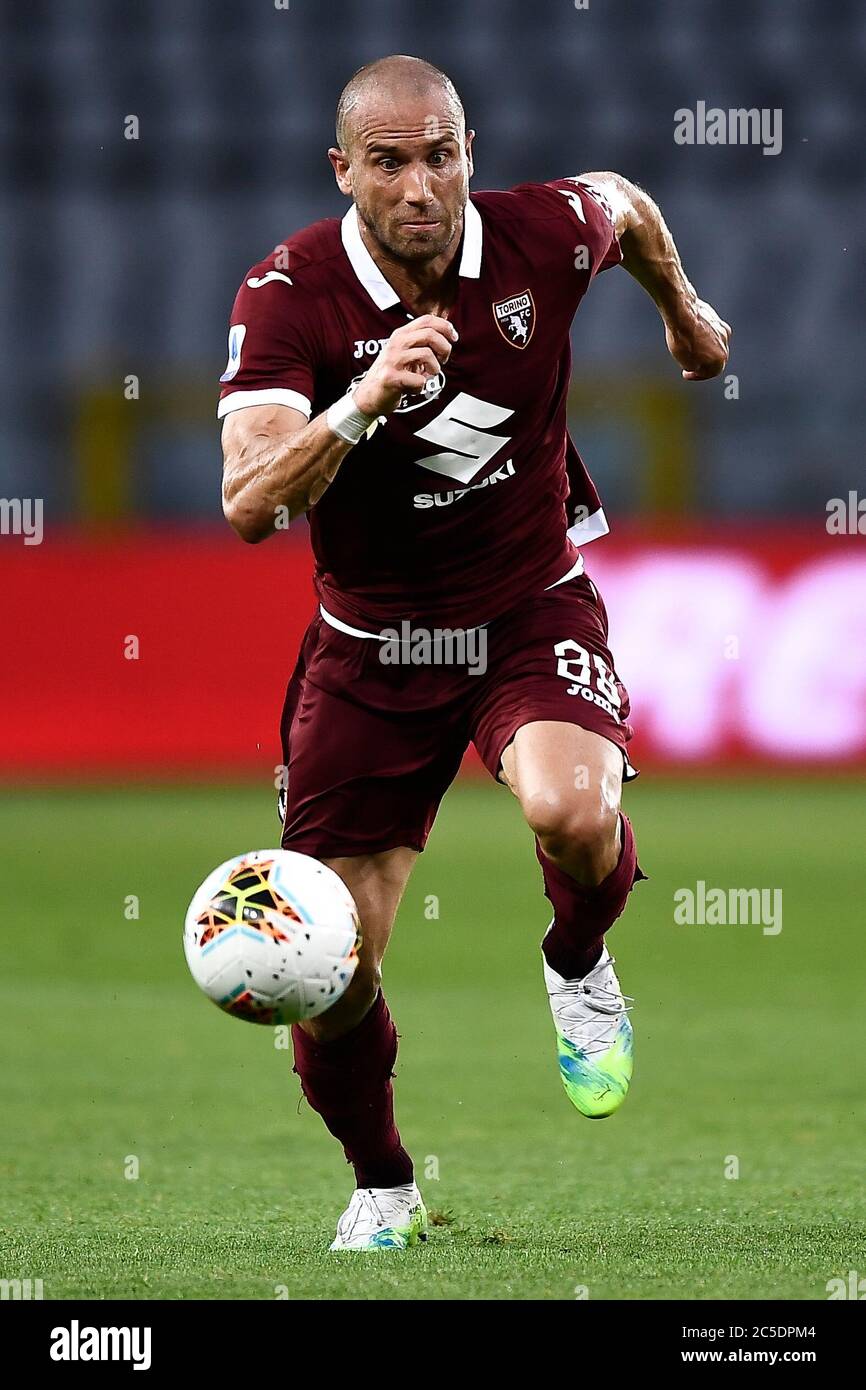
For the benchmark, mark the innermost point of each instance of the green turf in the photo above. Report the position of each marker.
(747, 1045)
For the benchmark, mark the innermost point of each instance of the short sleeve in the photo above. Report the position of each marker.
(273, 337)
(583, 218)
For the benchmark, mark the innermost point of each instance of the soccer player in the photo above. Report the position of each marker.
(400, 377)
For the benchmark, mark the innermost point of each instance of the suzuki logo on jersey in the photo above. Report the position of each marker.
(255, 282)
(422, 500)
(464, 429)
(515, 318)
(237, 333)
(465, 426)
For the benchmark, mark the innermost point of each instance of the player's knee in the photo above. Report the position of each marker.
(578, 837)
(358, 999)
(367, 979)
(364, 986)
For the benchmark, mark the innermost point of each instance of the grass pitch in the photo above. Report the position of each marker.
(154, 1148)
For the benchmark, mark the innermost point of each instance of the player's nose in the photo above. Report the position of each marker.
(416, 189)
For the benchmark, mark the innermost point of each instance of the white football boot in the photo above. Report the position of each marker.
(594, 1037)
(382, 1218)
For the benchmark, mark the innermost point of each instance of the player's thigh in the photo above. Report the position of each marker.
(368, 753)
(552, 720)
(567, 779)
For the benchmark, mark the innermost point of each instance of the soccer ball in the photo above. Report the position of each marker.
(272, 937)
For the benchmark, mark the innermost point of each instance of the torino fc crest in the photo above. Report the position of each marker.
(515, 318)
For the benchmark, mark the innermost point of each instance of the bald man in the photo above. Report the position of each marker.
(400, 377)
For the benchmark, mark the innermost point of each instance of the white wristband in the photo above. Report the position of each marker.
(347, 421)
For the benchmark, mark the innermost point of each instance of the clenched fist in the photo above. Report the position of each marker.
(699, 341)
(412, 355)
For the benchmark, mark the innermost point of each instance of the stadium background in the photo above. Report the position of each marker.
(122, 257)
(738, 622)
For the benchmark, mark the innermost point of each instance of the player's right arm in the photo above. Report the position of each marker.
(275, 460)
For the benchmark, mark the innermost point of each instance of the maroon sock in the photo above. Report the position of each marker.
(581, 915)
(348, 1082)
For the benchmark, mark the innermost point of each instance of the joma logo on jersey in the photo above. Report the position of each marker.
(366, 347)
(515, 318)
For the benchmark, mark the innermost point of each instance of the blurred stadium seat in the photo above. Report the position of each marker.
(123, 256)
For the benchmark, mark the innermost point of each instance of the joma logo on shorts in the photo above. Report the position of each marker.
(590, 676)
(444, 499)
(594, 699)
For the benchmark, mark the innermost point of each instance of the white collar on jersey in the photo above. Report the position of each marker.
(371, 277)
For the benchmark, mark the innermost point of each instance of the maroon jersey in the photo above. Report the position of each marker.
(459, 506)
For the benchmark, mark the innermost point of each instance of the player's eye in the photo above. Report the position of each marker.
(439, 156)
(388, 163)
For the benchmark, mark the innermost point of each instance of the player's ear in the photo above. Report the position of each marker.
(341, 167)
(470, 136)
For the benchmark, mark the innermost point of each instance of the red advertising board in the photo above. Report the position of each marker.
(166, 653)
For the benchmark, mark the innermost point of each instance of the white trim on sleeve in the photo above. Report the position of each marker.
(272, 395)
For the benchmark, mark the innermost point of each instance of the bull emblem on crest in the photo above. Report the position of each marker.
(515, 318)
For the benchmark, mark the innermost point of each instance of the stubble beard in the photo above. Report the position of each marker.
(413, 251)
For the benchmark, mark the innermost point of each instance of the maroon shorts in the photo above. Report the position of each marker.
(371, 747)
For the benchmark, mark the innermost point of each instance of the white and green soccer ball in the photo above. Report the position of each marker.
(272, 937)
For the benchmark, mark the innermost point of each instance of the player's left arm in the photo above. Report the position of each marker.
(697, 338)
